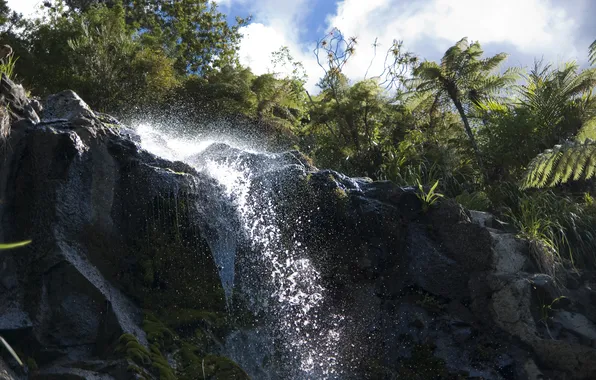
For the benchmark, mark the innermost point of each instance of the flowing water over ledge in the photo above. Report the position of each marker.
(298, 337)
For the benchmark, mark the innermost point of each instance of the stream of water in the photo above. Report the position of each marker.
(298, 337)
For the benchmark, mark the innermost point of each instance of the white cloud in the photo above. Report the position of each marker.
(260, 41)
(523, 28)
(26, 7)
(277, 24)
(529, 27)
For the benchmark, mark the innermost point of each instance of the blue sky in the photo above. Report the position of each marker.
(557, 30)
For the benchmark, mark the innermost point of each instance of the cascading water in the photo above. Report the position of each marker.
(298, 337)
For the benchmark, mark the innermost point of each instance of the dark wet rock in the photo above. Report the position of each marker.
(98, 211)
(67, 105)
(120, 235)
(431, 270)
(14, 97)
(6, 373)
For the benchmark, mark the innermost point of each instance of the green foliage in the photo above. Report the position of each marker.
(96, 54)
(7, 66)
(477, 200)
(430, 197)
(546, 309)
(568, 162)
(158, 334)
(129, 347)
(193, 32)
(14, 245)
(463, 78)
(351, 125)
(560, 229)
(558, 101)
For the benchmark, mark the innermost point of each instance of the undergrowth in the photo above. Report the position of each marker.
(7, 66)
(560, 228)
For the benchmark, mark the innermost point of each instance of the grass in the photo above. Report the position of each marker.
(7, 67)
(477, 200)
(560, 229)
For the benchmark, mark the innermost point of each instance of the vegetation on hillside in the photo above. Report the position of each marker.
(517, 142)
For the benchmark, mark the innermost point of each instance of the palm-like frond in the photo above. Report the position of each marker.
(570, 161)
(559, 100)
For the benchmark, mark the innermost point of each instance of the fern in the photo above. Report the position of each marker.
(570, 161)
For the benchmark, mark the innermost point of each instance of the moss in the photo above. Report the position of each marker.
(340, 193)
(157, 332)
(212, 366)
(143, 359)
(159, 362)
(130, 348)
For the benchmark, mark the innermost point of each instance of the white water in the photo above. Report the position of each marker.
(281, 283)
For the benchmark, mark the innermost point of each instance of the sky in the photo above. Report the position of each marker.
(554, 30)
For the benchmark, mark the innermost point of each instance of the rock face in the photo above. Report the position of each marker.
(125, 276)
(99, 212)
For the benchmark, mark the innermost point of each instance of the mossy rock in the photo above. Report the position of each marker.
(144, 362)
(129, 347)
(210, 367)
(157, 332)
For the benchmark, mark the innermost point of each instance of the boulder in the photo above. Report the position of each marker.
(15, 98)
(66, 105)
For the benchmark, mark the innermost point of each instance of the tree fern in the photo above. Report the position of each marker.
(570, 161)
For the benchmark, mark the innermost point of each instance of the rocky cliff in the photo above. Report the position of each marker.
(140, 267)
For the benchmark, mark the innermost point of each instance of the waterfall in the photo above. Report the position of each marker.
(298, 337)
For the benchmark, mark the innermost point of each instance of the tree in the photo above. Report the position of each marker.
(559, 102)
(96, 54)
(192, 32)
(561, 109)
(464, 78)
(4, 12)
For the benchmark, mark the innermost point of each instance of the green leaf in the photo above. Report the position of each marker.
(14, 245)
(14, 354)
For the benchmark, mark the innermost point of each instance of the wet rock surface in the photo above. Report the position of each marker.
(122, 279)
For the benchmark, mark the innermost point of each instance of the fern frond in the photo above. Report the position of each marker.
(565, 167)
(571, 161)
